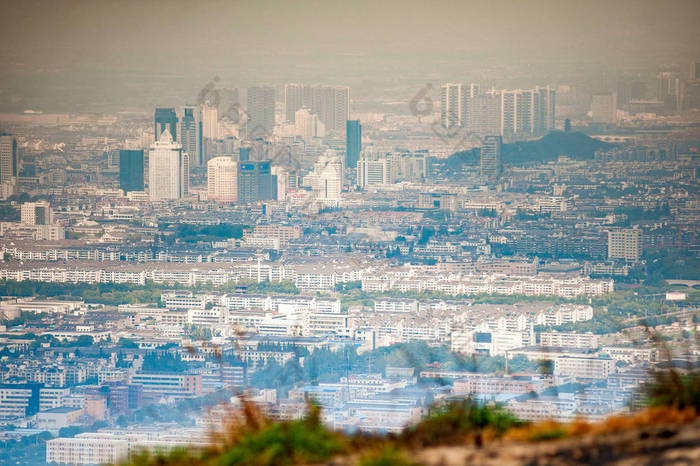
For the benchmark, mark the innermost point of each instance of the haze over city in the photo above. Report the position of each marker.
(109, 56)
(369, 232)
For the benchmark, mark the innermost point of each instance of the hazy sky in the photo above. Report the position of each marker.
(274, 41)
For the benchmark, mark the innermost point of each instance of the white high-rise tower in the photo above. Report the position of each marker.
(168, 169)
(222, 179)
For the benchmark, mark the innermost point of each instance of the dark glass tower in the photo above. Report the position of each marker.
(255, 182)
(131, 170)
(261, 111)
(353, 143)
(166, 118)
(190, 136)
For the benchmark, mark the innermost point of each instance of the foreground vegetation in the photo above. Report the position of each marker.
(249, 438)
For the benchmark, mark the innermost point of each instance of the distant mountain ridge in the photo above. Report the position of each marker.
(576, 145)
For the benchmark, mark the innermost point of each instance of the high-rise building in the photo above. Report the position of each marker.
(255, 182)
(166, 118)
(296, 96)
(353, 142)
(330, 103)
(261, 111)
(695, 71)
(604, 108)
(131, 170)
(307, 125)
(374, 170)
(244, 153)
(191, 134)
(625, 244)
(330, 183)
(451, 105)
(222, 179)
(510, 113)
(490, 157)
(455, 102)
(9, 158)
(36, 213)
(168, 169)
(210, 121)
(485, 113)
(668, 89)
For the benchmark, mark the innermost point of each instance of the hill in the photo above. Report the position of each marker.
(576, 145)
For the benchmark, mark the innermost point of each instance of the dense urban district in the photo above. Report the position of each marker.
(534, 248)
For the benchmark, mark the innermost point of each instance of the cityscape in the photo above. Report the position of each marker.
(509, 224)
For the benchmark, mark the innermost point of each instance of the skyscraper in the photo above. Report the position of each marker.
(255, 182)
(244, 153)
(191, 134)
(485, 113)
(353, 142)
(261, 111)
(166, 118)
(604, 108)
(168, 169)
(455, 102)
(490, 157)
(296, 96)
(131, 170)
(308, 125)
(330, 103)
(451, 105)
(210, 121)
(222, 179)
(668, 85)
(9, 158)
(510, 113)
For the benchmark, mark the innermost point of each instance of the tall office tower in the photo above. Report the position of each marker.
(468, 93)
(168, 169)
(255, 182)
(341, 107)
(244, 153)
(9, 158)
(222, 179)
(668, 89)
(261, 111)
(451, 105)
(166, 118)
(332, 105)
(131, 170)
(191, 134)
(283, 182)
(490, 157)
(485, 113)
(330, 183)
(210, 121)
(307, 125)
(630, 89)
(625, 244)
(296, 96)
(353, 142)
(550, 101)
(695, 71)
(374, 170)
(36, 213)
(604, 108)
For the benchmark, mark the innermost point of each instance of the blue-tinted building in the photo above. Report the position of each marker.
(353, 143)
(255, 182)
(166, 118)
(131, 170)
